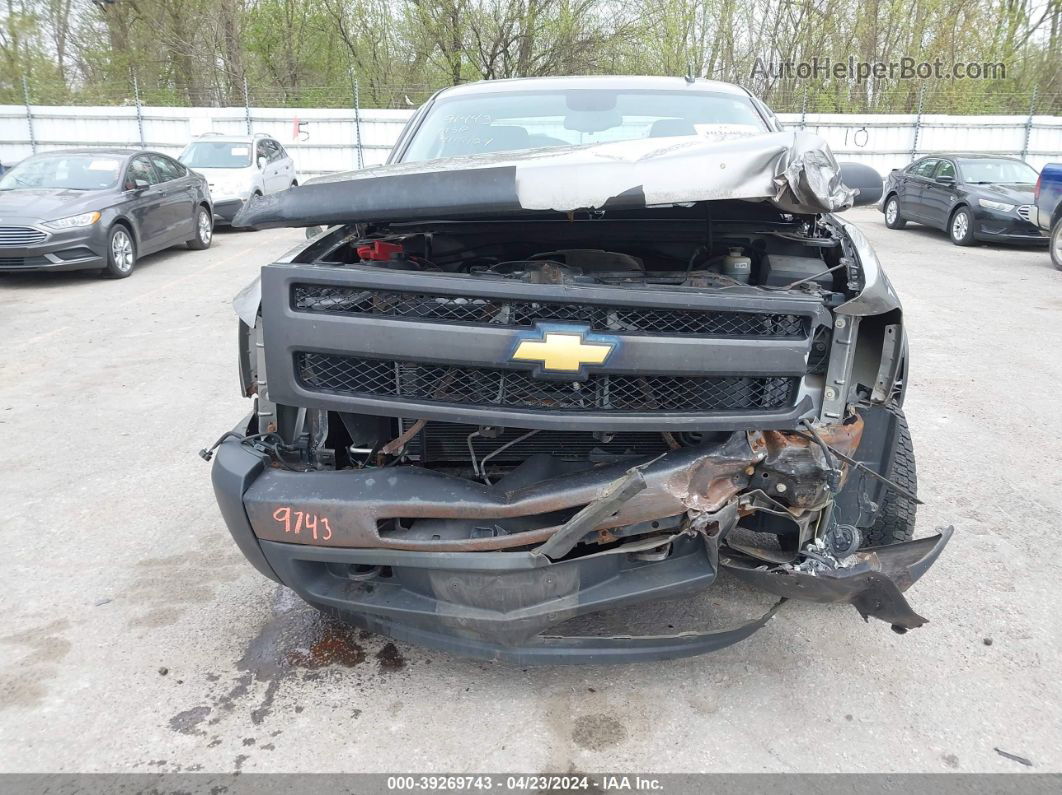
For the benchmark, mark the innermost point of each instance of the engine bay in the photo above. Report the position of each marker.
(707, 245)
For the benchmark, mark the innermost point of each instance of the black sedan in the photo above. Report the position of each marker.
(99, 209)
(971, 197)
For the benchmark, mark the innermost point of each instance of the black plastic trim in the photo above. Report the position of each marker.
(235, 468)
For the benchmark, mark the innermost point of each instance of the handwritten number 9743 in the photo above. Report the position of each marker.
(297, 522)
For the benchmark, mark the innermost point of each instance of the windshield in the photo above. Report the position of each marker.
(1007, 172)
(503, 122)
(217, 154)
(70, 172)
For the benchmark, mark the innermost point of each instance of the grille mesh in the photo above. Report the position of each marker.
(23, 262)
(347, 375)
(472, 309)
(20, 235)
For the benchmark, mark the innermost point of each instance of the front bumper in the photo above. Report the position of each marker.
(68, 250)
(475, 598)
(226, 210)
(999, 227)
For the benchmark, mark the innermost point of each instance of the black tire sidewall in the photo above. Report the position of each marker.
(968, 240)
(896, 517)
(197, 242)
(112, 271)
(1056, 236)
(900, 220)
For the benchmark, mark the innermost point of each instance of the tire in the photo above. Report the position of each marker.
(893, 206)
(960, 227)
(204, 229)
(121, 253)
(1056, 244)
(895, 521)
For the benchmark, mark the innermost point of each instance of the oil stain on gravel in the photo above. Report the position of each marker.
(390, 659)
(297, 642)
(188, 722)
(42, 649)
(166, 587)
(597, 732)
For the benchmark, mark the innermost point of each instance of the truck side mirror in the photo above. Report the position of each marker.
(864, 179)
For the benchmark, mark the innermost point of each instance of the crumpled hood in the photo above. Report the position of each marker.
(794, 170)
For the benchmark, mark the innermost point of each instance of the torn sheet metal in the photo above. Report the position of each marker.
(872, 580)
(794, 170)
(357, 501)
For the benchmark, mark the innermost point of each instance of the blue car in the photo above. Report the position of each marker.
(1048, 195)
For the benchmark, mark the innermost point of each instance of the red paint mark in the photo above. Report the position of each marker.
(295, 522)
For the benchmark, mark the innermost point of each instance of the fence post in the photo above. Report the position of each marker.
(246, 105)
(357, 118)
(918, 120)
(29, 114)
(139, 110)
(1028, 125)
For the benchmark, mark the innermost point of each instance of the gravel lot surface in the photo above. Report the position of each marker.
(136, 638)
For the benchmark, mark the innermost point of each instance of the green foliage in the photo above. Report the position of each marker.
(307, 52)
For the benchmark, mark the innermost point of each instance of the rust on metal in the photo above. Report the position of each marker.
(700, 479)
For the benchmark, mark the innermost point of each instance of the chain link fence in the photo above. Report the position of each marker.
(937, 96)
(348, 126)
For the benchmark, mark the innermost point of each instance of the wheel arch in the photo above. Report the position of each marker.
(127, 222)
(959, 205)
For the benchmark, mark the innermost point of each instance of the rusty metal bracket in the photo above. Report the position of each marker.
(621, 490)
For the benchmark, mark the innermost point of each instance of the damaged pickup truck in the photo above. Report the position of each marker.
(581, 343)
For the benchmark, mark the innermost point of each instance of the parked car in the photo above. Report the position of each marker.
(971, 197)
(99, 209)
(507, 389)
(1048, 195)
(238, 167)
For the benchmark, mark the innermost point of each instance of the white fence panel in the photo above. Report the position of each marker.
(323, 140)
(887, 141)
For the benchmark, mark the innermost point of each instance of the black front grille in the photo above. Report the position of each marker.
(23, 262)
(520, 313)
(819, 358)
(475, 386)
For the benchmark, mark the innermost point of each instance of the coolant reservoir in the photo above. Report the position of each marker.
(737, 266)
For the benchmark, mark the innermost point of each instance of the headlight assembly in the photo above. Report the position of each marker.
(74, 221)
(1003, 207)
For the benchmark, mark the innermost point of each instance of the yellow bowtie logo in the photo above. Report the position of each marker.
(563, 351)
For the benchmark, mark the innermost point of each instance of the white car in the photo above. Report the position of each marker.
(238, 167)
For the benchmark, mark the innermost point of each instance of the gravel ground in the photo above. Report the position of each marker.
(137, 639)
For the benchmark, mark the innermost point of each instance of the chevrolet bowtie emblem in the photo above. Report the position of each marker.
(563, 350)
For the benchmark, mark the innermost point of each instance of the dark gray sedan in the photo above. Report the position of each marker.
(99, 209)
